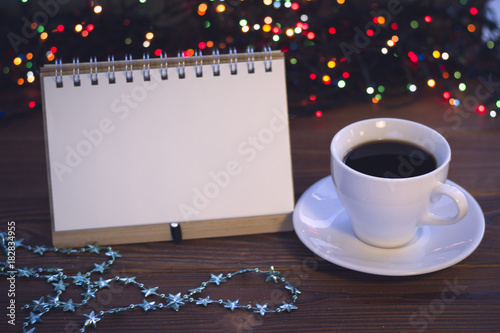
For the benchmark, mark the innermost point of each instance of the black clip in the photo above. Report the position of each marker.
(175, 230)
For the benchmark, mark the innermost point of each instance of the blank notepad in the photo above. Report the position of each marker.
(136, 145)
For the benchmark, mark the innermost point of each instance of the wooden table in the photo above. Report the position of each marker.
(333, 299)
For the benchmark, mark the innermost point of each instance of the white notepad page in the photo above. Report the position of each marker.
(175, 150)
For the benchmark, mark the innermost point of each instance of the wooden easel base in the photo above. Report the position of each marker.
(162, 232)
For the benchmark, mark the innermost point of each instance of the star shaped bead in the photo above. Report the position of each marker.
(92, 319)
(232, 305)
(60, 286)
(40, 249)
(68, 306)
(293, 290)
(128, 280)
(100, 268)
(40, 305)
(272, 275)
(147, 305)
(204, 301)
(217, 279)
(175, 301)
(113, 254)
(262, 309)
(287, 306)
(34, 318)
(80, 279)
(93, 248)
(149, 291)
(102, 283)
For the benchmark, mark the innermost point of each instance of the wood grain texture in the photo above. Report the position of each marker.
(334, 299)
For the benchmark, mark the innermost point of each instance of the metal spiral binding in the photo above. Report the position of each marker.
(161, 65)
(233, 61)
(93, 71)
(146, 73)
(250, 60)
(128, 70)
(111, 70)
(163, 70)
(216, 62)
(58, 75)
(181, 70)
(268, 59)
(76, 72)
(198, 65)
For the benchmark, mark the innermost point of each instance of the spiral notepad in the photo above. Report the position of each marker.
(167, 148)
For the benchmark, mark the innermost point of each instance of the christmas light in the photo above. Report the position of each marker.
(319, 114)
(473, 11)
(220, 8)
(245, 28)
(295, 6)
(370, 90)
(384, 50)
(493, 113)
(17, 61)
(332, 31)
(481, 109)
(31, 104)
(268, 20)
(97, 9)
(428, 19)
(462, 87)
(60, 28)
(471, 27)
(313, 76)
(78, 27)
(331, 64)
(445, 56)
(289, 32)
(411, 87)
(266, 28)
(149, 35)
(457, 75)
(268, 2)
(326, 79)
(414, 24)
(341, 84)
(436, 54)
(431, 83)
(345, 75)
(447, 95)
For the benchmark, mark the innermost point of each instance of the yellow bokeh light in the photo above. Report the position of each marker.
(268, 20)
(390, 43)
(245, 28)
(97, 9)
(381, 20)
(436, 54)
(289, 32)
(78, 27)
(44, 35)
(331, 64)
(17, 61)
(149, 36)
(220, 8)
(431, 83)
(266, 28)
(31, 79)
(203, 7)
(268, 2)
(340, 2)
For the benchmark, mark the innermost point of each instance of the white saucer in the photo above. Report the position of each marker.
(323, 225)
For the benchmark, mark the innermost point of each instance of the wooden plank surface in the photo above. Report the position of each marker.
(333, 299)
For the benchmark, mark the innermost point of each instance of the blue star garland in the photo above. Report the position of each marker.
(91, 286)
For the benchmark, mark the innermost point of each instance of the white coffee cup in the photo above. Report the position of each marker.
(386, 212)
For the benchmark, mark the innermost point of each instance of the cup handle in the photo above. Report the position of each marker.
(459, 199)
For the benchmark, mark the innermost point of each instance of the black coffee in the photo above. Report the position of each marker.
(390, 159)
